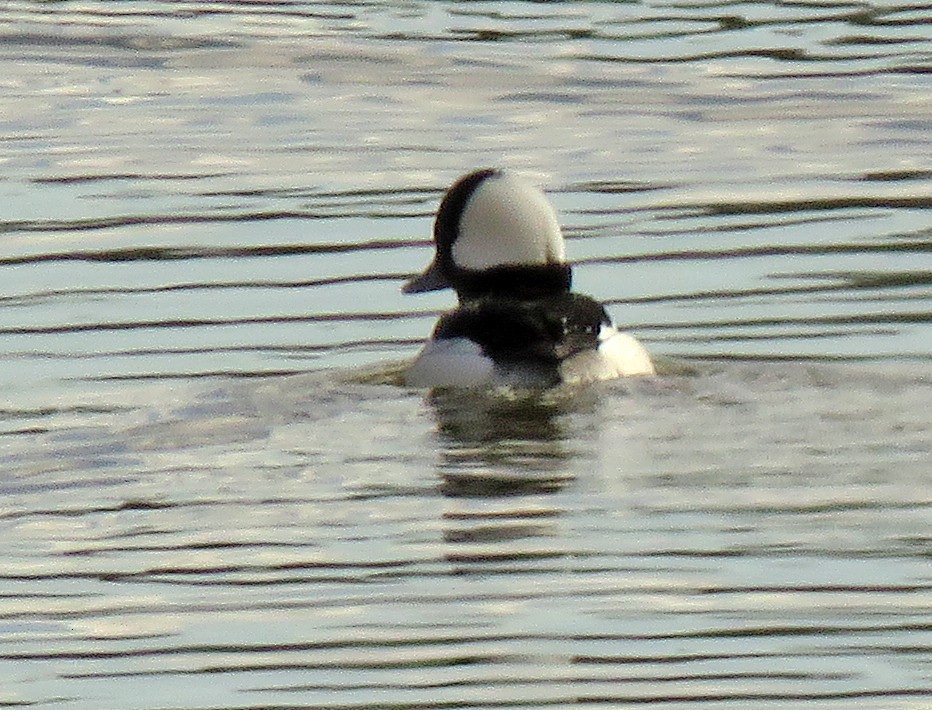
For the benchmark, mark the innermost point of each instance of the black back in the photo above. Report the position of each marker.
(540, 332)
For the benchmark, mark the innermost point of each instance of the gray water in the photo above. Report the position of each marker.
(213, 495)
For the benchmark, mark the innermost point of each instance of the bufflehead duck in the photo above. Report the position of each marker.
(499, 246)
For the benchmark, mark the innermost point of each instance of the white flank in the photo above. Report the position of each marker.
(618, 355)
(452, 362)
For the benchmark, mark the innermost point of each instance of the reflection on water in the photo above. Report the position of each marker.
(207, 212)
(499, 443)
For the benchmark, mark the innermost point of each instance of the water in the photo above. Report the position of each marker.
(212, 499)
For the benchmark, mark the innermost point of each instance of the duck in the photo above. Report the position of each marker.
(498, 244)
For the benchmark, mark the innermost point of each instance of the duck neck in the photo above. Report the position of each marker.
(525, 283)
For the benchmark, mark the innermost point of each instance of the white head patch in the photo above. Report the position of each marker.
(507, 221)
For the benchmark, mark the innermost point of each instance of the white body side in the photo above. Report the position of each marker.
(452, 362)
(459, 362)
(618, 355)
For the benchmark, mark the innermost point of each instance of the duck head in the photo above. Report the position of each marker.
(497, 235)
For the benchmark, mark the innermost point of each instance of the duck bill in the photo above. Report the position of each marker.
(430, 280)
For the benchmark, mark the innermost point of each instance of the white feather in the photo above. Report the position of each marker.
(451, 362)
(508, 221)
(618, 355)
